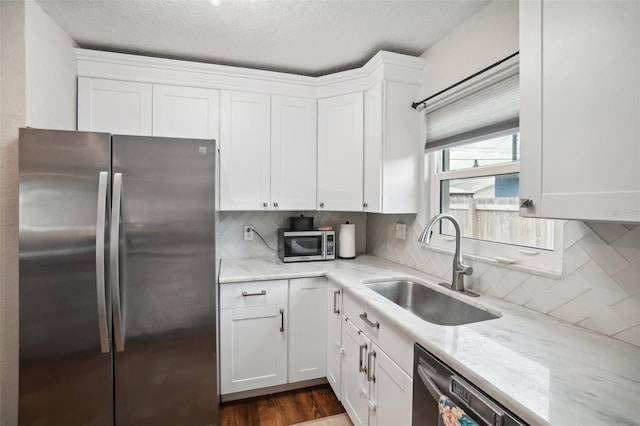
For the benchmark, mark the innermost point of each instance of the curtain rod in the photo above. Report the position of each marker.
(415, 104)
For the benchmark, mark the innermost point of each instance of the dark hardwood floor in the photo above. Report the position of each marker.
(282, 409)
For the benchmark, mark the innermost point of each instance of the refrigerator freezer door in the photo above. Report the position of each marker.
(166, 372)
(66, 374)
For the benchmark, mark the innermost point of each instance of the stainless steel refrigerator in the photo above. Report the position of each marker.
(117, 280)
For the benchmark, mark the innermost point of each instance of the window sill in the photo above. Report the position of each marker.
(491, 261)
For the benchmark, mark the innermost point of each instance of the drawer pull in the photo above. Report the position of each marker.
(363, 317)
(262, 293)
(282, 320)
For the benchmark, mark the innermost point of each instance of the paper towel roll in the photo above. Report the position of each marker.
(347, 241)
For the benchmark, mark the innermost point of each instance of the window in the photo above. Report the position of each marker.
(473, 146)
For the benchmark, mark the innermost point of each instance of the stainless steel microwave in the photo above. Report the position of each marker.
(303, 246)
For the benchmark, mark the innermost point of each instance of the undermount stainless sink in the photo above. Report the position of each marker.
(428, 304)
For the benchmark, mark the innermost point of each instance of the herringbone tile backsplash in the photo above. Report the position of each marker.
(600, 288)
(230, 242)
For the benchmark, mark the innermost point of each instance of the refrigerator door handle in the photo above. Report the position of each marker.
(103, 183)
(114, 248)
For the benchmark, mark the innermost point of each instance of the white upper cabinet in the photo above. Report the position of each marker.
(580, 109)
(244, 151)
(185, 112)
(286, 142)
(391, 149)
(293, 153)
(113, 106)
(340, 152)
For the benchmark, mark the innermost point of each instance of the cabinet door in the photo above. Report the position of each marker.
(244, 151)
(334, 337)
(392, 149)
(293, 153)
(112, 106)
(340, 153)
(355, 387)
(391, 392)
(579, 111)
(253, 348)
(373, 149)
(185, 112)
(307, 328)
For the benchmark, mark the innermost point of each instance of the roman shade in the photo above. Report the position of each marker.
(487, 105)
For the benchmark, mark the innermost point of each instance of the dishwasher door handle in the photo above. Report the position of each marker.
(429, 383)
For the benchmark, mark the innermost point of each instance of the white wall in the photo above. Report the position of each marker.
(485, 38)
(12, 116)
(599, 289)
(38, 89)
(51, 72)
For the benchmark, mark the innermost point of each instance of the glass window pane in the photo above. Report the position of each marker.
(499, 150)
(487, 208)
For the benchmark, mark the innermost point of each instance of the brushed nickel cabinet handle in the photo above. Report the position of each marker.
(363, 317)
(261, 293)
(370, 376)
(335, 302)
(361, 367)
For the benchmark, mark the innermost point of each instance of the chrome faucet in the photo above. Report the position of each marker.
(459, 268)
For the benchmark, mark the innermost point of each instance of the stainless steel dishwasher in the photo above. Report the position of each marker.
(432, 378)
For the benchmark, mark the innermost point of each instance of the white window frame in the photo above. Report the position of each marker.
(529, 259)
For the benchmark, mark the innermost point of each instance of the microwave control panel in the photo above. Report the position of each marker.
(330, 245)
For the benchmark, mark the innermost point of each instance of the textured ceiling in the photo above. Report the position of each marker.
(312, 37)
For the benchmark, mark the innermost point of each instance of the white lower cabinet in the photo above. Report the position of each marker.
(272, 333)
(390, 393)
(253, 348)
(355, 386)
(334, 338)
(375, 390)
(307, 328)
(253, 335)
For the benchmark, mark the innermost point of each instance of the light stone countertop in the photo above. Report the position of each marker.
(544, 370)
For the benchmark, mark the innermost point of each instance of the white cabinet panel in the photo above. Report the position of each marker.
(293, 153)
(185, 112)
(391, 392)
(307, 328)
(244, 151)
(334, 337)
(112, 106)
(340, 153)
(580, 109)
(392, 149)
(355, 386)
(253, 348)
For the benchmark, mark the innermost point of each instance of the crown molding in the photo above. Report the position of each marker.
(117, 66)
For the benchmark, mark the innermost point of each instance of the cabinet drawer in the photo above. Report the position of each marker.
(255, 293)
(391, 340)
(353, 309)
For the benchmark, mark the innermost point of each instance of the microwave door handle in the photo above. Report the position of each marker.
(429, 383)
(103, 183)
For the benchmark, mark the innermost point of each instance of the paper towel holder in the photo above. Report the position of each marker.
(347, 241)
